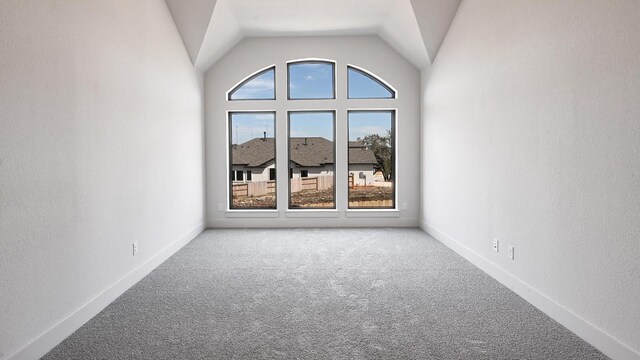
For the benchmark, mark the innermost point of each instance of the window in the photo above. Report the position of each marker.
(311, 146)
(311, 80)
(261, 86)
(371, 159)
(252, 150)
(363, 85)
(311, 140)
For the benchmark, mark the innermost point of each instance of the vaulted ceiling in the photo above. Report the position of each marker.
(210, 28)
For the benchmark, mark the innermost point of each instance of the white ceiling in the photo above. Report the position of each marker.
(232, 20)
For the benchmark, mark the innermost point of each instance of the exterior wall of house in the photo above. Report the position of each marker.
(257, 173)
(312, 170)
(362, 174)
(368, 52)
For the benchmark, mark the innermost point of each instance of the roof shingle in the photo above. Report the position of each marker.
(306, 152)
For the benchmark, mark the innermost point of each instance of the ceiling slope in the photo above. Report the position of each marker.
(434, 18)
(211, 28)
(192, 20)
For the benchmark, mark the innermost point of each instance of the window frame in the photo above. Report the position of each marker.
(247, 79)
(334, 84)
(394, 132)
(230, 160)
(335, 159)
(340, 105)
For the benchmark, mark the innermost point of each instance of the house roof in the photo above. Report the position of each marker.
(253, 153)
(306, 152)
(357, 144)
(361, 156)
(311, 151)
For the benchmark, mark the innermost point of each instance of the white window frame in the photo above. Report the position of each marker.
(247, 212)
(340, 105)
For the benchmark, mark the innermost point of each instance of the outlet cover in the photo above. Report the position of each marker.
(512, 252)
(496, 245)
(135, 248)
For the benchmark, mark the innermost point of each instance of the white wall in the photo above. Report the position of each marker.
(531, 134)
(100, 146)
(368, 52)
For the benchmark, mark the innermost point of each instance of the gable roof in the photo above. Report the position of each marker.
(311, 151)
(253, 153)
(361, 156)
(357, 144)
(306, 152)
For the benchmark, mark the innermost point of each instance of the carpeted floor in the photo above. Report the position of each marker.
(320, 294)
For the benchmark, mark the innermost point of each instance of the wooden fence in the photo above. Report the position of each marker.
(257, 188)
(318, 183)
(260, 188)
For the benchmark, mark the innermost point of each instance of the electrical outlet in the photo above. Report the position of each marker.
(220, 208)
(404, 206)
(512, 252)
(496, 245)
(135, 248)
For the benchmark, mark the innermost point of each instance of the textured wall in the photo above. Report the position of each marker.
(369, 52)
(531, 134)
(100, 145)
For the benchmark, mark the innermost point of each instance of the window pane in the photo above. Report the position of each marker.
(371, 160)
(365, 86)
(311, 160)
(259, 87)
(311, 80)
(252, 151)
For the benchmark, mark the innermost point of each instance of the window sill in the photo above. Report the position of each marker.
(372, 213)
(329, 213)
(252, 213)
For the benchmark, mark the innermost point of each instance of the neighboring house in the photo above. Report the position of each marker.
(361, 163)
(254, 160)
(310, 157)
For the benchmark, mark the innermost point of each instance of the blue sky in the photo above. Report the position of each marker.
(362, 124)
(247, 126)
(311, 124)
(362, 86)
(311, 81)
(260, 87)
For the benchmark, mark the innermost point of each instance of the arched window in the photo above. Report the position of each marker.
(364, 85)
(259, 86)
(309, 171)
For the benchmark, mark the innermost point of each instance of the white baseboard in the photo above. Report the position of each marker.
(56, 334)
(604, 342)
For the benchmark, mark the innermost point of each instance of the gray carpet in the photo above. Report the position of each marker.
(320, 294)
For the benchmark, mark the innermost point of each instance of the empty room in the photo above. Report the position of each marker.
(320, 179)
